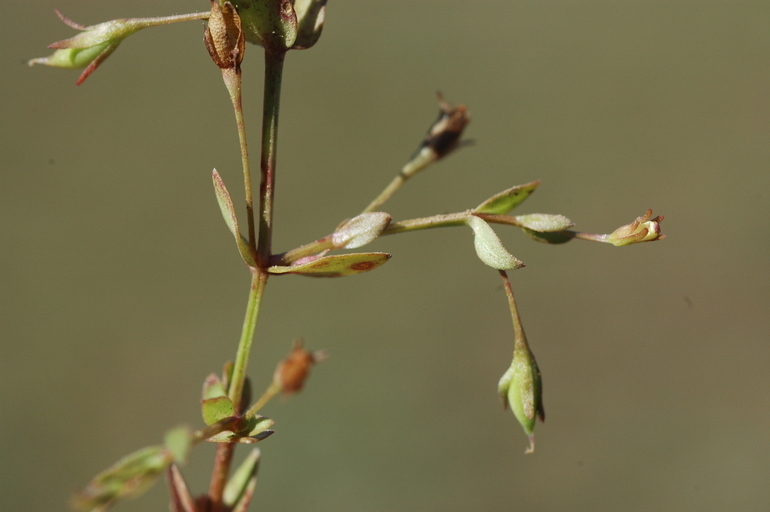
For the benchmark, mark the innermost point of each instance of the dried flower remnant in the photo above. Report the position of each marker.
(223, 36)
(292, 372)
(442, 138)
(642, 229)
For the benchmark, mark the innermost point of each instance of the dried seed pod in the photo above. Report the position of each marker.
(223, 36)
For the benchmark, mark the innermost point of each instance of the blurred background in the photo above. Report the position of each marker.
(121, 287)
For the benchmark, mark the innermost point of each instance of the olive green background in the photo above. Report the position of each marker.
(121, 288)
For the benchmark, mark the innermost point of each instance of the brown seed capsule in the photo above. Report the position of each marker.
(292, 372)
(223, 36)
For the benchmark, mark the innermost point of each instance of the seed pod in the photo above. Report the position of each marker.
(223, 36)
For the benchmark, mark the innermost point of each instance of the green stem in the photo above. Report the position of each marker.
(140, 23)
(518, 330)
(258, 282)
(225, 450)
(272, 99)
(436, 221)
(268, 395)
(394, 185)
(232, 79)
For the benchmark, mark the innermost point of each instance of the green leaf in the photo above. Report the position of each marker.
(178, 441)
(507, 200)
(241, 484)
(271, 24)
(256, 429)
(216, 409)
(544, 222)
(213, 387)
(360, 230)
(554, 238)
(130, 477)
(489, 248)
(310, 22)
(228, 212)
(334, 266)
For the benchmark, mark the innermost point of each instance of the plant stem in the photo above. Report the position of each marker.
(271, 102)
(436, 221)
(258, 282)
(391, 189)
(225, 450)
(232, 79)
(140, 23)
(268, 395)
(518, 330)
(222, 461)
(272, 99)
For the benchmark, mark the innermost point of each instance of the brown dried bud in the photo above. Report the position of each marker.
(442, 138)
(292, 372)
(223, 36)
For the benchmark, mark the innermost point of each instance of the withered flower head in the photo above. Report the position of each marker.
(292, 372)
(223, 36)
(442, 138)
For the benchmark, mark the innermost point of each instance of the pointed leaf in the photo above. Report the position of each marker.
(507, 200)
(128, 478)
(243, 503)
(489, 248)
(216, 409)
(257, 425)
(555, 237)
(228, 212)
(238, 485)
(544, 222)
(230, 437)
(335, 266)
(181, 499)
(360, 230)
(242, 430)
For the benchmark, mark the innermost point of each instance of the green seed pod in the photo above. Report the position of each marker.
(521, 389)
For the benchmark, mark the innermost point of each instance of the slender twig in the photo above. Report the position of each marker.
(232, 78)
(391, 189)
(518, 330)
(269, 394)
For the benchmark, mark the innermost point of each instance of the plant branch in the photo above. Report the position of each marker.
(391, 189)
(232, 78)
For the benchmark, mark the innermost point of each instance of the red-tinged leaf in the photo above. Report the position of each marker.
(335, 266)
(228, 213)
